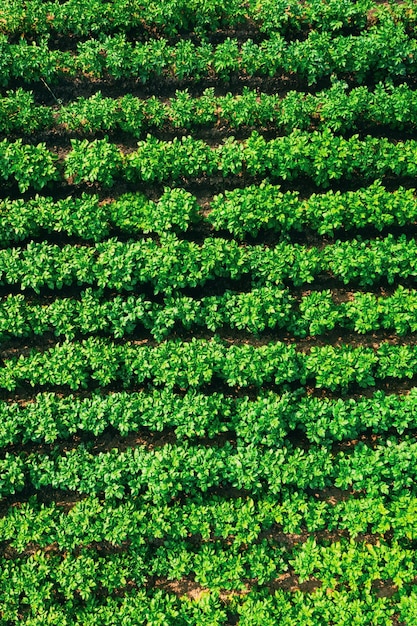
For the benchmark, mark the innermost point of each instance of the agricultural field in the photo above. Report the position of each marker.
(208, 313)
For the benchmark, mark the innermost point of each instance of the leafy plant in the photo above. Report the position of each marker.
(93, 161)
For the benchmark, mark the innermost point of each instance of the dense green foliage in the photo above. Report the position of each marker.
(337, 108)
(208, 313)
(384, 51)
(321, 156)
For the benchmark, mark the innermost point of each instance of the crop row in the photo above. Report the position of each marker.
(247, 211)
(264, 308)
(173, 264)
(384, 51)
(326, 605)
(132, 213)
(163, 608)
(137, 607)
(267, 420)
(162, 474)
(193, 364)
(257, 208)
(86, 575)
(45, 581)
(320, 156)
(75, 17)
(335, 108)
(208, 517)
